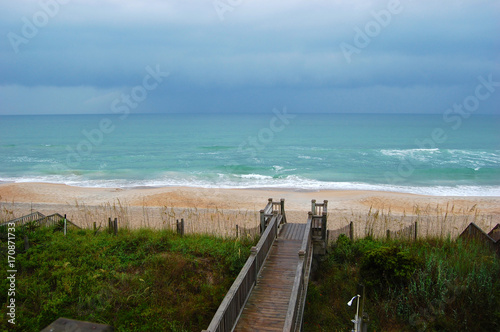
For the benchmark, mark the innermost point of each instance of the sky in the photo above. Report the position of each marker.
(318, 56)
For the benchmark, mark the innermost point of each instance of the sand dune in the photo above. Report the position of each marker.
(216, 209)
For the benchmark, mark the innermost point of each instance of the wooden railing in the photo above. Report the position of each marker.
(315, 233)
(39, 219)
(319, 211)
(24, 219)
(53, 220)
(232, 305)
(269, 210)
(475, 232)
(293, 321)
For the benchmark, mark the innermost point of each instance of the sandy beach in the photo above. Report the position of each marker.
(219, 210)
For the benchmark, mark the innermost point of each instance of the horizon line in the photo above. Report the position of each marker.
(234, 113)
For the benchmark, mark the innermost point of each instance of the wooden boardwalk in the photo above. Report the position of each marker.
(267, 305)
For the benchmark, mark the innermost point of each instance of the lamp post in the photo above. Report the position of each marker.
(356, 318)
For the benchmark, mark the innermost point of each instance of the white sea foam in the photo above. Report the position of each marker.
(26, 159)
(471, 159)
(404, 153)
(255, 176)
(309, 157)
(249, 181)
(471, 155)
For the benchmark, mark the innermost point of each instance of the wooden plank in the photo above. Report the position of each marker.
(230, 308)
(267, 306)
(293, 231)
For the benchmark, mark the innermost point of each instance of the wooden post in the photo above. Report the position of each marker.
(95, 226)
(364, 324)
(325, 204)
(115, 226)
(323, 226)
(110, 226)
(388, 234)
(180, 227)
(282, 202)
(351, 231)
(313, 206)
(275, 215)
(416, 231)
(65, 225)
(236, 230)
(253, 252)
(262, 221)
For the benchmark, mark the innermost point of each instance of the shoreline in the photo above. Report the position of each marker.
(462, 190)
(217, 211)
(55, 193)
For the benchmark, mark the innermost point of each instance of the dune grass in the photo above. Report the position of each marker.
(210, 221)
(427, 285)
(440, 221)
(149, 278)
(139, 280)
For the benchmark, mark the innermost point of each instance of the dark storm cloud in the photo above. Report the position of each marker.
(261, 54)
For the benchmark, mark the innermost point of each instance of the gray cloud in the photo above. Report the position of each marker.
(260, 55)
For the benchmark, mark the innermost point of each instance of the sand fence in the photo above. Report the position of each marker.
(432, 220)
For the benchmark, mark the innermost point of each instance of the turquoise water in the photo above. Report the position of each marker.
(405, 153)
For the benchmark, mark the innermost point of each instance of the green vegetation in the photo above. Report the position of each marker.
(148, 280)
(140, 280)
(428, 285)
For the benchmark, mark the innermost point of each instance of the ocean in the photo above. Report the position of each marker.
(422, 154)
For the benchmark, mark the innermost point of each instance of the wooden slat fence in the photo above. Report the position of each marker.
(333, 235)
(243, 232)
(495, 233)
(407, 233)
(474, 232)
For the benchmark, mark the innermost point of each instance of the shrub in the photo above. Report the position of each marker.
(388, 266)
(435, 285)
